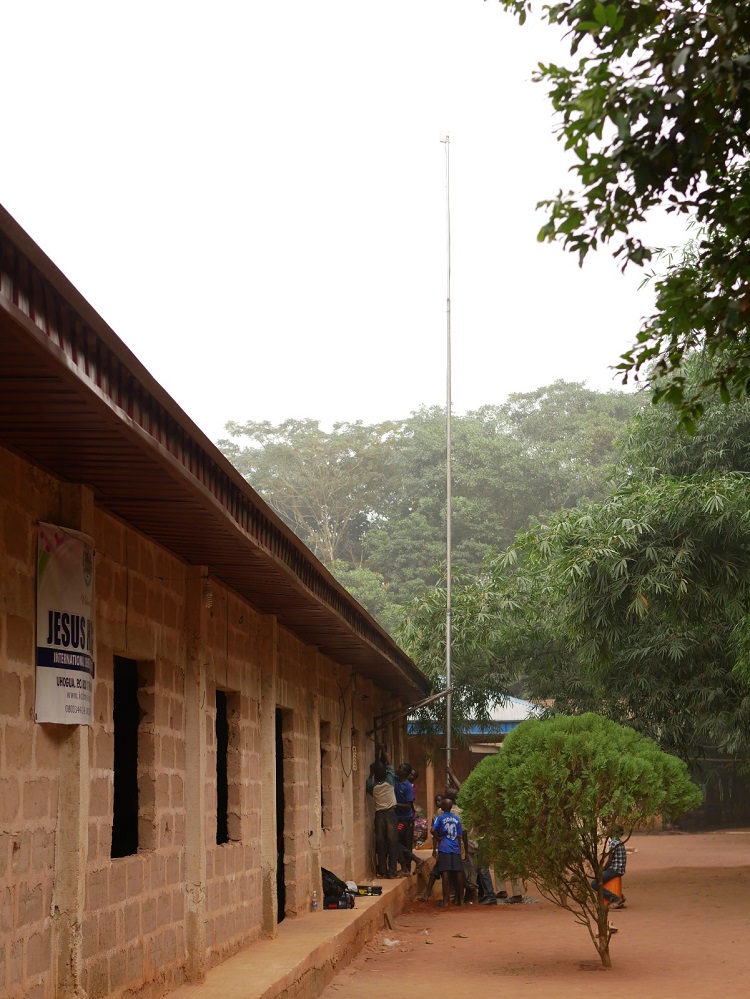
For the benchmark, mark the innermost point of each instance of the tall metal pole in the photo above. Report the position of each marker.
(445, 139)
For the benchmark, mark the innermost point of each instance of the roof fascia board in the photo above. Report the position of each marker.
(73, 374)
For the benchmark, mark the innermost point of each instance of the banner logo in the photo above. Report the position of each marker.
(64, 626)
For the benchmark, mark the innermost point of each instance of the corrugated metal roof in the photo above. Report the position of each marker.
(75, 401)
(514, 709)
(502, 717)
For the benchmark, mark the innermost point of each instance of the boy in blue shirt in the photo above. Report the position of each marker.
(405, 817)
(448, 833)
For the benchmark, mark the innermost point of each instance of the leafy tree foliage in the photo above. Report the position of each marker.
(652, 446)
(559, 442)
(327, 486)
(643, 594)
(655, 107)
(574, 431)
(373, 497)
(501, 638)
(548, 802)
(478, 677)
(512, 464)
(658, 577)
(371, 590)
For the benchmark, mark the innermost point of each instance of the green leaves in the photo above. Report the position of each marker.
(325, 484)
(657, 113)
(647, 589)
(370, 500)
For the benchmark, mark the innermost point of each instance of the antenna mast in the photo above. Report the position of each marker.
(445, 139)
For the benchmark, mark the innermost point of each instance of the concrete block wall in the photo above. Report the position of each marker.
(73, 920)
(233, 872)
(29, 754)
(133, 924)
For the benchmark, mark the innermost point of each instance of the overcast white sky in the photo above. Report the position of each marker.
(252, 194)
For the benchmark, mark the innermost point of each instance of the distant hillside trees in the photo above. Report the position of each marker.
(369, 500)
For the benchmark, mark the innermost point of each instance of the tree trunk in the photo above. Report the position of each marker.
(602, 945)
(603, 936)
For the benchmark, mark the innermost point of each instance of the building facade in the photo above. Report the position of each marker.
(232, 691)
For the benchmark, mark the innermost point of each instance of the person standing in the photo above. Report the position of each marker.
(448, 833)
(380, 784)
(405, 817)
(490, 894)
(470, 863)
(434, 873)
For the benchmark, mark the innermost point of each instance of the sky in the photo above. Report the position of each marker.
(253, 196)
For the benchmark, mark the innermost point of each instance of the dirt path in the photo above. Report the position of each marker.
(684, 933)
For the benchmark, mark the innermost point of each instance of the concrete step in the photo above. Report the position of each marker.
(306, 953)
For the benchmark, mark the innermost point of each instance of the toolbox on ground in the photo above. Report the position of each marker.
(370, 889)
(345, 901)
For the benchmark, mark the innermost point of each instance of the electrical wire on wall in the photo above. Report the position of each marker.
(343, 691)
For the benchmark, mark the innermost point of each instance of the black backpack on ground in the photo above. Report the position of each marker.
(331, 884)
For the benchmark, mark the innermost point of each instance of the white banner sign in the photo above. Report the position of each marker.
(64, 626)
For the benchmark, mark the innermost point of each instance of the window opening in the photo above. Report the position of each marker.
(222, 770)
(126, 718)
(280, 880)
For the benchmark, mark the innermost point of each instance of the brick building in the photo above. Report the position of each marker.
(231, 688)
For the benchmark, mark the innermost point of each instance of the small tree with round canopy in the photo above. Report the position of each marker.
(547, 803)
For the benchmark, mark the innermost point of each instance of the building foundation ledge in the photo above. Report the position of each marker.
(307, 952)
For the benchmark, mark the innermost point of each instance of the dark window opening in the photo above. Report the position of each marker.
(322, 780)
(280, 880)
(222, 771)
(126, 716)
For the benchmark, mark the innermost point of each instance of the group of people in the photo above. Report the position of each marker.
(393, 794)
(466, 879)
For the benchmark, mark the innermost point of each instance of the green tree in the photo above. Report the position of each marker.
(652, 446)
(478, 677)
(512, 463)
(546, 804)
(372, 498)
(407, 545)
(371, 591)
(634, 606)
(655, 107)
(571, 432)
(327, 486)
(647, 591)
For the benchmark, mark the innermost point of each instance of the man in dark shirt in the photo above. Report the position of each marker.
(380, 784)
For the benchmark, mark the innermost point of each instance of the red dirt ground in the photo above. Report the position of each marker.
(684, 932)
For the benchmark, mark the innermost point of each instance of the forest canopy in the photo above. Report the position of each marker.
(369, 500)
